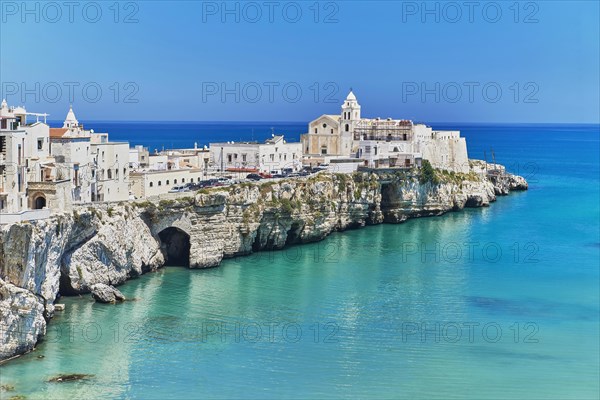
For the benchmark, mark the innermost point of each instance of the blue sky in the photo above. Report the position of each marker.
(192, 60)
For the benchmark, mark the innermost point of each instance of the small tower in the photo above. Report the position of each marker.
(350, 108)
(71, 122)
(349, 118)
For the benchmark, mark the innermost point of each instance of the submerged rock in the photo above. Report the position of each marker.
(103, 293)
(70, 377)
(7, 388)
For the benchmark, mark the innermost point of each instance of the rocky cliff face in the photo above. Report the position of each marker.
(68, 254)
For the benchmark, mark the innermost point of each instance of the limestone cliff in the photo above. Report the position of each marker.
(69, 253)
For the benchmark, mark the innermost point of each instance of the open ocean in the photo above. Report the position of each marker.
(498, 302)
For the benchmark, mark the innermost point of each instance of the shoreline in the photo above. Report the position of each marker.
(111, 244)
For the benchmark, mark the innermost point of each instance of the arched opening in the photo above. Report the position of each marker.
(175, 245)
(39, 202)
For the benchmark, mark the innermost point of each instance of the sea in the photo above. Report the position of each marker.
(499, 302)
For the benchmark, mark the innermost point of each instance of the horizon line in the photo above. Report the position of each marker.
(306, 122)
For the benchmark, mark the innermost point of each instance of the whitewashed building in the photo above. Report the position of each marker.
(111, 161)
(28, 177)
(97, 168)
(271, 156)
(156, 182)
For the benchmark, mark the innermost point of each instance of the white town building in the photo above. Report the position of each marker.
(97, 168)
(271, 156)
(28, 177)
(156, 174)
(111, 161)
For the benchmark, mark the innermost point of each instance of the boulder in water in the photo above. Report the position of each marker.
(69, 377)
(103, 293)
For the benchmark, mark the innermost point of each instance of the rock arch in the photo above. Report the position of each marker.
(175, 245)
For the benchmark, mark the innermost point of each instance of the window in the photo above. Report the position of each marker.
(159, 183)
(175, 181)
(315, 130)
(324, 125)
(109, 171)
(116, 173)
(229, 158)
(332, 131)
(347, 127)
(192, 180)
(167, 182)
(40, 143)
(324, 150)
(244, 157)
(182, 180)
(151, 184)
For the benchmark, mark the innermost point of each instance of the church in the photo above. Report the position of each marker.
(349, 139)
(333, 135)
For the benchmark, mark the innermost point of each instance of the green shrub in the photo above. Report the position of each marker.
(427, 173)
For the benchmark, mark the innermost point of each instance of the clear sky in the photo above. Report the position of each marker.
(292, 61)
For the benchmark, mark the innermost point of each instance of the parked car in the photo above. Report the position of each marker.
(178, 189)
(254, 177)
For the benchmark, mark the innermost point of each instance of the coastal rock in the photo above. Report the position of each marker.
(22, 321)
(106, 294)
(118, 246)
(97, 246)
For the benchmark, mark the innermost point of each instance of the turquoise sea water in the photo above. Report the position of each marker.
(500, 302)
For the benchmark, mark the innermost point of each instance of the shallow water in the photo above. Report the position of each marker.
(500, 302)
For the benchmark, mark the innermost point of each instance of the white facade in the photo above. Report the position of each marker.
(70, 148)
(272, 156)
(154, 183)
(112, 169)
(381, 142)
(138, 157)
(97, 168)
(24, 161)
